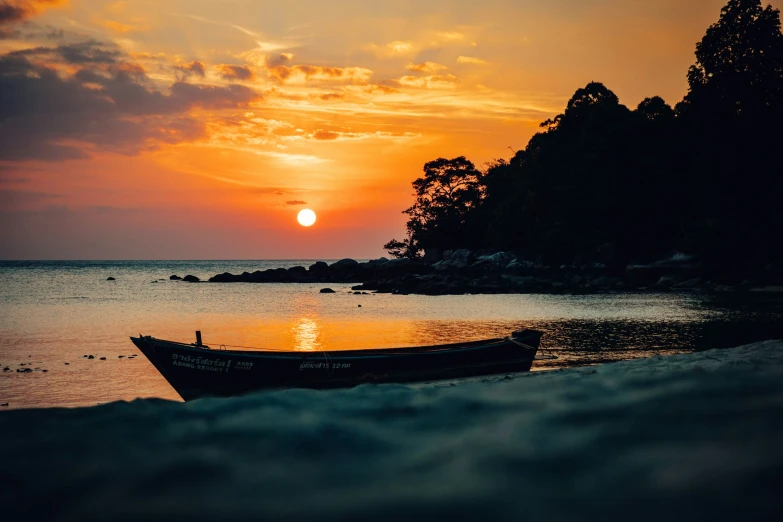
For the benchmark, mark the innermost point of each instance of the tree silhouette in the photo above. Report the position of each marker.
(602, 183)
(739, 62)
(655, 109)
(445, 197)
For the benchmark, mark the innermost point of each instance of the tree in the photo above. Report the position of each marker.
(446, 197)
(401, 249)
(739, 62)
(655, 109)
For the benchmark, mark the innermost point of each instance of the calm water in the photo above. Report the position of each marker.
(53, 313)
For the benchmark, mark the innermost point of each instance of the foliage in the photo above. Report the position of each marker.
(603, 183)
(445, 198)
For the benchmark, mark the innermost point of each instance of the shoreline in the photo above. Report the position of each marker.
(462, 272)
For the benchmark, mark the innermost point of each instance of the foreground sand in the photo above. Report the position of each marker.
(685, 437)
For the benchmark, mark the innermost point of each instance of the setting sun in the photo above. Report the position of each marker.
(306, 217)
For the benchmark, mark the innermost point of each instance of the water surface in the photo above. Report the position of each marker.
(53, 313)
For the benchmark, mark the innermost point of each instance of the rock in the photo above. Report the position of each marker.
(318, 268)
(605, 282)
(644, 275)
(5, 404)
(381, 261)
(6, 369)
(91, 357)
(432, 255)
(24, 370)
(520, 265)
(120, 356)
(689, 283)
(191, 279)
(110, 279)
(44, 371)
(67, 364)
(327, 291)
(498, 259)
(103, 358)
(360, 306)
(455, 259)
(344, 264)
(175, 278)
(297, 272)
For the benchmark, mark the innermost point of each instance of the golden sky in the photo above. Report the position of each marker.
(197, 129)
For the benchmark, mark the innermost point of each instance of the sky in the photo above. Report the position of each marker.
(198, 129)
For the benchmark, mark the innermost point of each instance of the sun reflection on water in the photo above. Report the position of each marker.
(306, 335)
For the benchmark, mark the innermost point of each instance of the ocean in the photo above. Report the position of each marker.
(54, 314)
(676, 432)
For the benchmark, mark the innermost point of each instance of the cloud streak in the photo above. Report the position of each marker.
(235, 72)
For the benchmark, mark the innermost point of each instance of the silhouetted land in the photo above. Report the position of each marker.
(609, 198)
(602, 183)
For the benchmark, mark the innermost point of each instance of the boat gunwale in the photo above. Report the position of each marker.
(366, 352)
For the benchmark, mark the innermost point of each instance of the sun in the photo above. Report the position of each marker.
(306, 217)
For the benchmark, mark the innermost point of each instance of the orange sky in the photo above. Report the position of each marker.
(195, 129)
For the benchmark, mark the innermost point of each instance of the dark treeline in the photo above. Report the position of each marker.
(604, 183)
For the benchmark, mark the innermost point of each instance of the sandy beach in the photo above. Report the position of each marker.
(698, 433)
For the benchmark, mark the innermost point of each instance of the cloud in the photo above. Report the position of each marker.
(471, 60)
(328, 135)
(447, 81)
(296, 202)
(451, 36)
(383, 89)
(280, 59)
(235, 72)
(193, 68)
(121, 28)
(87, 52)
(426, 67)
(103, 102)
(332, 96)
(393, 49)
(325, 135)
(286, 73)
(399, 47)
(16, 10)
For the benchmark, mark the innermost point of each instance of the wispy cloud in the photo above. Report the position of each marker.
(426, 67)
(235, 72)
(471, 60)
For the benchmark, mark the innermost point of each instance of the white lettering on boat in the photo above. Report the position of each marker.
(208, 365)
(308, 365)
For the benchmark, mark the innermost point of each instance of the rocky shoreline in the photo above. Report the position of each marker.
(465, 272)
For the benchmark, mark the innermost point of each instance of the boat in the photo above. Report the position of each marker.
(197, 370)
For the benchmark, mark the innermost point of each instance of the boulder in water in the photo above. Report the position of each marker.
(110, 279)
(175, 278)
(327, 291)
(191, 279)
(319, 267)
(344, 264)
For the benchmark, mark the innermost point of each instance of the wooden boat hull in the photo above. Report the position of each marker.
(197, 371)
